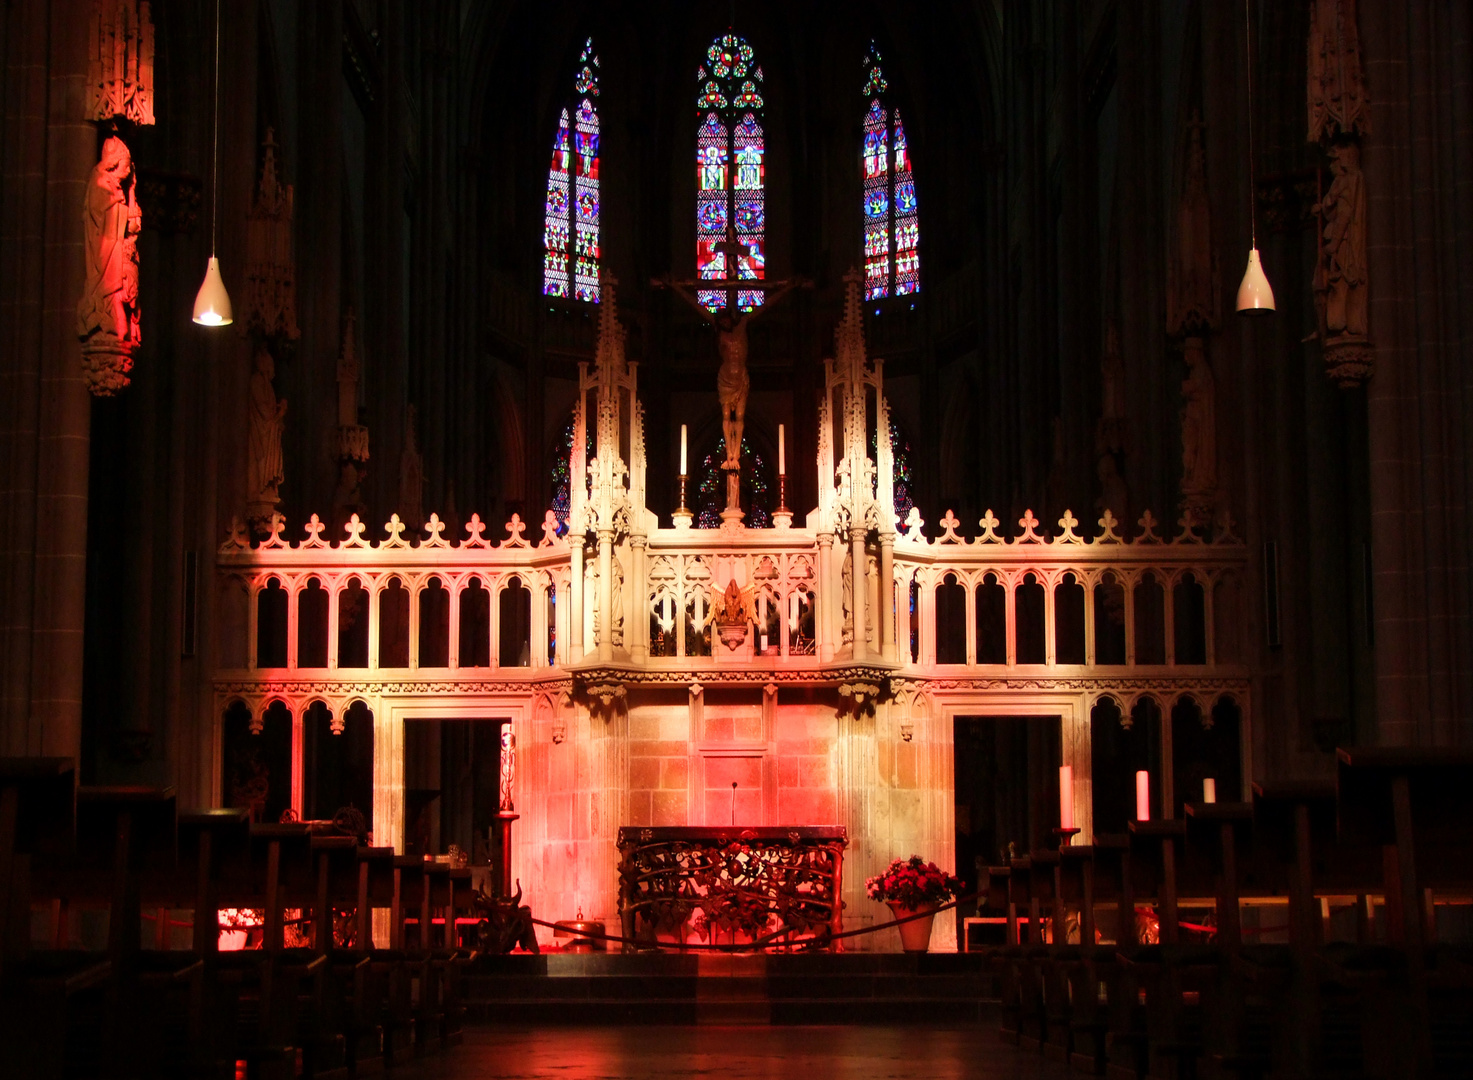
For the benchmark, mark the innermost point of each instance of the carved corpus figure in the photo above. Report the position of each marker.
(264, 473)
(732, 380)
(107, 315)
(508, 768)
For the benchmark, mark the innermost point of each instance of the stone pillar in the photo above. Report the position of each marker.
(605, 595)
(828, 581)
(859, 594)
(63, 435)
(887, 596)
(637, 630)
(574, 603)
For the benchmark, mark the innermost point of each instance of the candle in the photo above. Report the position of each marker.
(682, 450)
(1066, 796)
(793, 612)
(782, 456)
(1143, 796)
(1209, 790)
(667, 611)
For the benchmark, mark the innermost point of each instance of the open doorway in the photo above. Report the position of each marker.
(1007, 796)
(452, 771)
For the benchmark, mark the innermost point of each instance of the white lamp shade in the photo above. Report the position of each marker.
(1255, 295)
(212, 302)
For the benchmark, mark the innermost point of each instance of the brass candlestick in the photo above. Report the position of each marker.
(683, 516)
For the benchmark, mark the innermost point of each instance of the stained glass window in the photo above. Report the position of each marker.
(572, 209)
(756, 491)
(730, 175)
(892, 262)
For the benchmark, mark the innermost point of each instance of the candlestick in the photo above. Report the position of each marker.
(682, 464)
(1066, 796)
(1209, 790)
(1143, 796)
(782, 458)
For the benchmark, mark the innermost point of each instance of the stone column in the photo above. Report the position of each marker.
(859, 594)
(574, 602)
(605, 595)
(63, 436)
(637, 630)
(828, 582)
(887, 596)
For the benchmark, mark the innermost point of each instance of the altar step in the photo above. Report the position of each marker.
(657, 988)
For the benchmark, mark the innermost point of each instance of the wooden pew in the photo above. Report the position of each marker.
(382, 885)
(1413, 803)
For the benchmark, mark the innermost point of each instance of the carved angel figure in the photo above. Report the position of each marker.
(107, 316)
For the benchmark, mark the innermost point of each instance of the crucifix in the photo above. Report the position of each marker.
(732, 380)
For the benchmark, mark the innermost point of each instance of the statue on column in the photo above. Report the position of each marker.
(264, 472)
(107, 315)
(1339, 116)
(1340, 277)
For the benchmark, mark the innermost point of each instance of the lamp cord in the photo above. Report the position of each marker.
(1252, 182)
(215, 153)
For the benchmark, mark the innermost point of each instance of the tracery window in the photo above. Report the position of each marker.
(892, 263)
(756, 490)
(571, 216)
(730, 152)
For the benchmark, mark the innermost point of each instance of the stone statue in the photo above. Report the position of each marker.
(264, 473)
(847, 597)
(107, 315)
(616, 602)
(1340, 277)
(1198, 426)
(1337, 93)
(1192, 297)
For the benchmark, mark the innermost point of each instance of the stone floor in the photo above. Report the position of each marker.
(735, 1053)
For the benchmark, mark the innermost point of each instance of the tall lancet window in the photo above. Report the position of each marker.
(892, 262)
(730, 210)
(570, 232)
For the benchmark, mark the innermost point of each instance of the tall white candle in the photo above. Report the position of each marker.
(1209, 790)
(1066, 796)
(1143, 796)
(793, 612)
(667, 609)
(682, 450)
(782, 455)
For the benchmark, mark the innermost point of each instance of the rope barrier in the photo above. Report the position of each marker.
(759, 943)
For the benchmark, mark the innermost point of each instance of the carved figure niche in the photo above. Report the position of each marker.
(951, 621)
(107, 314)
(1030, 627)
(393, 625)
(992, 621)
(515, 627)
(1338, 119)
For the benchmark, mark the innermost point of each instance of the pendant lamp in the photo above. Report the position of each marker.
(212, 302)
(1255, 294)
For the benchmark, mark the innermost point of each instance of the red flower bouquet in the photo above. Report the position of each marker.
(913, 883)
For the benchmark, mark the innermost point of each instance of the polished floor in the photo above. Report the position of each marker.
(735, 1053)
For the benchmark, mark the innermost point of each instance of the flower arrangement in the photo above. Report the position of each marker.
(913, 883)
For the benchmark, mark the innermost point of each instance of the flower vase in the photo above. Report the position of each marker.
(915, 936)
